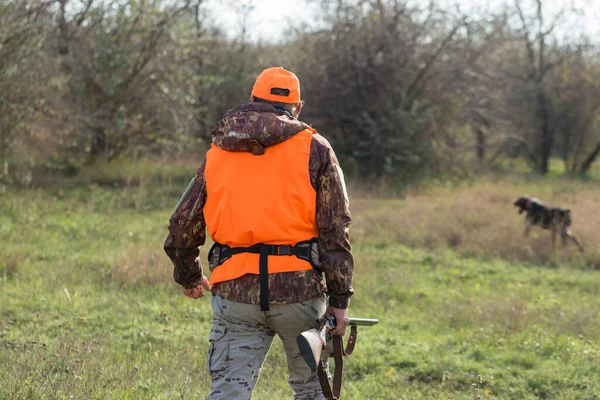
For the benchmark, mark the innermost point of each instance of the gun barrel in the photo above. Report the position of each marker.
(364, 321)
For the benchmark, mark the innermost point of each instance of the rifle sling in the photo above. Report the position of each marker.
(338, 357)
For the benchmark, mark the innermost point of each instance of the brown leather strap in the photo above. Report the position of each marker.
(324, 381)
(351, 340)
(338, 357)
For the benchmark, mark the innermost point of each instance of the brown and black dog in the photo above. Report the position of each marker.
(552, 218)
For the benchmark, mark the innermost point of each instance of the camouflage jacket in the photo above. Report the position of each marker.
(265, 126)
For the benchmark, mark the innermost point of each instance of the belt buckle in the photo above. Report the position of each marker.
(284, 251)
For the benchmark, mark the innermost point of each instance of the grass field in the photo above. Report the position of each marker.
(467, 308)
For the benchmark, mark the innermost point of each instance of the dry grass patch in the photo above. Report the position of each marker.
(11, 263)
(147, 266)
(481, 221)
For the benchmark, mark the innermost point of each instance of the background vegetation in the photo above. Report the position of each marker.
(441, 117)
(403, 89)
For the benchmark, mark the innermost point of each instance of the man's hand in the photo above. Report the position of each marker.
(198, 291)
(341, 319)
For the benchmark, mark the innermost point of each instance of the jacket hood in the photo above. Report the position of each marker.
(253, 127)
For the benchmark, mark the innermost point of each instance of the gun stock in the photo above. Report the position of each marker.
(311, 344)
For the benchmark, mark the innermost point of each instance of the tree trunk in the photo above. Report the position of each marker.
(566, 149)
(546, 134)
(99, 145)
(585, 166)
(63, 37)
(480, 139)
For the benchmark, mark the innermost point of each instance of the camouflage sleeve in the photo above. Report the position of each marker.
(187, 232)
(333, 220)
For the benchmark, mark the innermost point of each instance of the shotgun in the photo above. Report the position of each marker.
(312, 342)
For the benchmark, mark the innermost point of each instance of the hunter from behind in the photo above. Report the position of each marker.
(272, 196)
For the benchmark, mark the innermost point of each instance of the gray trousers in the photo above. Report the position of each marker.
(241, 337)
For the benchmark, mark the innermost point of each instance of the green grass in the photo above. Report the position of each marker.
(88, 310)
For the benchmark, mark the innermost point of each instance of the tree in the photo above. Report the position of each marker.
(378, 82)
(22, 82)
(542, 55)
(575, 91)
(115, 58)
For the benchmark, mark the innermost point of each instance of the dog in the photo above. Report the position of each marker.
(552, 218)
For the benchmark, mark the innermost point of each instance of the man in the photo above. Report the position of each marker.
(272, 195)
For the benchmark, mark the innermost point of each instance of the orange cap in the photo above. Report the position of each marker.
(277, 84)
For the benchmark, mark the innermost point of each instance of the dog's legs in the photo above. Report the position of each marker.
(553, 238)
(528, 226)
(566, 234)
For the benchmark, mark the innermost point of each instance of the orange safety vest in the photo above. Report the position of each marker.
(265, 199)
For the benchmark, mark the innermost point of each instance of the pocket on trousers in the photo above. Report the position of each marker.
(218, 352)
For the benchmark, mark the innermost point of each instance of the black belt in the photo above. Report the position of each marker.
(219, 253)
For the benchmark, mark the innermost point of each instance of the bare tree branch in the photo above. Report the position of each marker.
(413, 85)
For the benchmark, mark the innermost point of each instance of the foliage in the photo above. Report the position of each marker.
(402, 89)
(22, 87)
